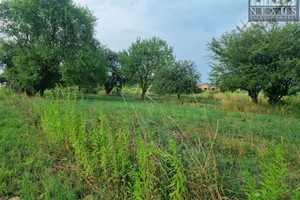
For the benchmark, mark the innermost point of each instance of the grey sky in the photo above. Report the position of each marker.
(187, 25)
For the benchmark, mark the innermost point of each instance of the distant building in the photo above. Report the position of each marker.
(208, 87)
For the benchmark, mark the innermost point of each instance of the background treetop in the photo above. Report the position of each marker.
(177, 78)
(39, 38)
(143, 58)
(257, 57)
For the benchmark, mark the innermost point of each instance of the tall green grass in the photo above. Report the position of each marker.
(121, 160)
(31, 167)
(121, 148)
(241, 102)
(271, 184)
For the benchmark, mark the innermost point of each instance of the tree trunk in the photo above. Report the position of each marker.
(178, 96)
(254, 96)
(254, 99)
(107, 92)
(108, 89)
(274, 99)
(42, 92)
(143, 93)
(30, 92)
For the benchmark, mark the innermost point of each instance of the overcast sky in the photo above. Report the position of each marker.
(186, 25)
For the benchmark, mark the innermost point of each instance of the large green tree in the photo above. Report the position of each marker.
(87, 69)
(2, 79)
(257, 57)
(179, 78)
(282, 72)
(6, 63)
(143, 59)
(41, 38)
(114, 75)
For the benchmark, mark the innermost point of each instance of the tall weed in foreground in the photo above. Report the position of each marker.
(200, 165)
(26, 158)
(66, 127)
(144, 177)
(120, 159)
(114, 161)
(109, 157)
(178, 179)
(270, 184)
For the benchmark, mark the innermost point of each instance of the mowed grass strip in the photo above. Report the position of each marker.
(197, 116)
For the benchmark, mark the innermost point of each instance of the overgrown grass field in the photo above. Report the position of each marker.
(207, 146)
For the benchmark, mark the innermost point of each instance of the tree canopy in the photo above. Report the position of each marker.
(143, 59)
(2, 79)
(114, 75)
(179, 78)
(257, 57)
(88, 68)
(41, 38)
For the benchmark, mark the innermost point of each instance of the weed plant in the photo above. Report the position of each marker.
(271, 184)
(112, 147)
(123, 162)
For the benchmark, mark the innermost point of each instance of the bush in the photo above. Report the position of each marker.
(294, 91)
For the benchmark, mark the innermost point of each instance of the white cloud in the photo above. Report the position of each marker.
(120, 22)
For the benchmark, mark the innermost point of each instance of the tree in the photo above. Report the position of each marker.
(114, 77)
(255, 58)
(2, 79)
(143, 59)
(88, 69)
(179, 78)
(235, 64)
(282, 72)
(6, 63)
(43, 37)
(294, 91)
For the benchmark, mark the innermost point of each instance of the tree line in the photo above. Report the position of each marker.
(44, 43)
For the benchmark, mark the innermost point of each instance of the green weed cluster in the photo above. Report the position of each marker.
(120, 162)
(271, 184)
(141, 149)
(28, 166)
